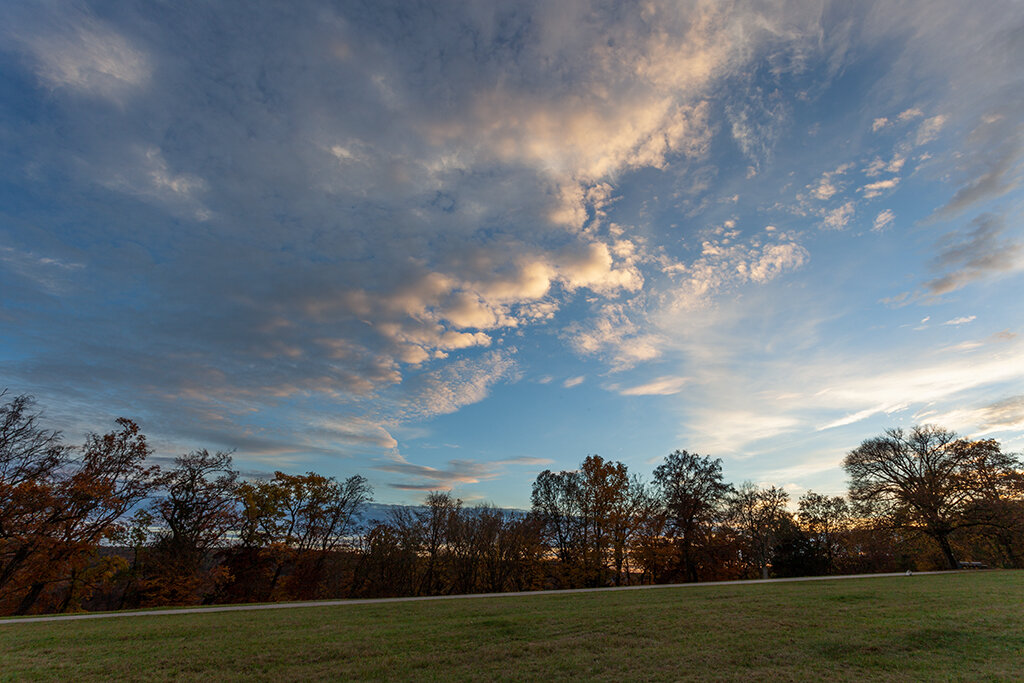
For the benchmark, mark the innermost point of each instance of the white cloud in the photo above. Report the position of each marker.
(662, 386)
(824, 190)
(940, 379)
(574, 381)
(618, 332)
(876, 189)
(883, 220)
(878, 166)
(909, 114)
(839, 217)
(456, 384)
(930, 129)
(879, 123)
(960, 321)
(724, 264)
(145, 172)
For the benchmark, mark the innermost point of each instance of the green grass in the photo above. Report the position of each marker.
(967, 626)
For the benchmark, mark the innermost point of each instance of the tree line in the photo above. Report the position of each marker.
(99, 527)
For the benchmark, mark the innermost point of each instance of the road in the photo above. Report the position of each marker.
(378, 601)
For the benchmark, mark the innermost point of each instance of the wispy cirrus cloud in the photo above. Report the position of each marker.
(662, 386)
(976, 252)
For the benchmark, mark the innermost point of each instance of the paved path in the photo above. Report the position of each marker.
(378, 601)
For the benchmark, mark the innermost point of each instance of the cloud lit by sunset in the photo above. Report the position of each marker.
(446, 245)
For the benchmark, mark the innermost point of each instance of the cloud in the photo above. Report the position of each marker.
(72, 49)
(725, 265)
(909, 115)
(883, 220)
(1005, 414)
(960, 321)
(337, 223)
(574, 381)
(994, 152)
(662, 386)
(455, 384)
(839, 217)
(525, 460)
(617, 332)
(825, 187)
(876, 189)
(50, 274)
(455, 472)
(435, 478)
(878, 166)
(976, 252)
(879, 123)
(800, 395)
(930, 128)
(933, 380)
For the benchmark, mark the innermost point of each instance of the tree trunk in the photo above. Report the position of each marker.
(30, 598)
(15, 562)
(66, 602)
(947, 551)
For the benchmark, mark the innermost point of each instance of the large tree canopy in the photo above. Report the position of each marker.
(927, 479)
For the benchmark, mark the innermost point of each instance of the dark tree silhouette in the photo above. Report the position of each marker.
(927, 480)
(759, 517)
(195, 517)
(298, 520)
(826, 519)
(692, 491)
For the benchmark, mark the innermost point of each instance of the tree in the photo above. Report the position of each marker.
(556, 502)
(825, 519)
(58, 520)
(927, 480)
(691, 489)
(996, 506)
(31, 459)
(194, 517)
(589, 518)
(759, 516)
(437, 520)
(606, 518)
(298, 520)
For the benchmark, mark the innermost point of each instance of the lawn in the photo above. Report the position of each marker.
(963, 626)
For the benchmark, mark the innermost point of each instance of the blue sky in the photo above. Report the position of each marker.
(449, 245)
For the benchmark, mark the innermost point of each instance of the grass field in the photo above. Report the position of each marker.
(966, 626)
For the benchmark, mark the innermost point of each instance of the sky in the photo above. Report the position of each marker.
(448, 245)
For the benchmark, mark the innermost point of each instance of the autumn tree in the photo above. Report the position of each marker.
(193, 518)
(297, 521)
(31, 461)
(930, 481)
(691, 490)
(511, 549)
(55, 521)
(759, 517)
(589, 516)
(826, 520)
(556, 502)
(995, 510)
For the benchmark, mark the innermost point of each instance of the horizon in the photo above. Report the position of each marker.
(446, 247)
